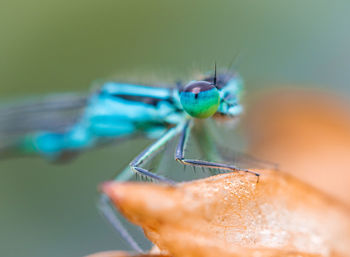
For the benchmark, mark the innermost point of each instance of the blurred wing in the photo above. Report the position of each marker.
(48, 113)
(244, 160)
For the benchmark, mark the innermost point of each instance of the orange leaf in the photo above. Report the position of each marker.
(232, 215)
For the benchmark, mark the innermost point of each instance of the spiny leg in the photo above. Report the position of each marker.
(180, 155)
(105, 205)
(146, 155)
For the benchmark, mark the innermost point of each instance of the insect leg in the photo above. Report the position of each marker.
(180, 156)
(144, 156)
(109, 212)
(105, 205)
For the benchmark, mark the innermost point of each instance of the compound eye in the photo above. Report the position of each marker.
(200, 99)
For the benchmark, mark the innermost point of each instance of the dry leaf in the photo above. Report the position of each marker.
(307, 133)
(231, 215)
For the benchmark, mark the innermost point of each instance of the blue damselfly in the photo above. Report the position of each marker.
(59, 127)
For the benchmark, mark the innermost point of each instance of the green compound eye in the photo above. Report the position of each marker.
(200, 99)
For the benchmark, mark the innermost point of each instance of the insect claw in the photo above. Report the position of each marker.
(258, 178)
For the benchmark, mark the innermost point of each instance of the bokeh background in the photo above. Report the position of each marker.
(59, 46)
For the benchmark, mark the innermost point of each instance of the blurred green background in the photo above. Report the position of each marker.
(59, 46)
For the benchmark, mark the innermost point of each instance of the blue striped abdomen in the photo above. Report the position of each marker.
(109, 116)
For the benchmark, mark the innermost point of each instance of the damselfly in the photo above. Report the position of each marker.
(62, 126)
